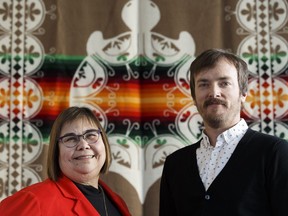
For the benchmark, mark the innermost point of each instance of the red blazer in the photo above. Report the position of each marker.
(55, 198)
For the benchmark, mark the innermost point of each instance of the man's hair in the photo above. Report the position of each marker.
(209, 58)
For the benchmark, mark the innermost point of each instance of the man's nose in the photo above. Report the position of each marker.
(214, 91)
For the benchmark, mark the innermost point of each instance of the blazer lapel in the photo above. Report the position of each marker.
(116, 199)
(84, 208)
(81, 205)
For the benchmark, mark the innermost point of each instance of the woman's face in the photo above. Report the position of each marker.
(83, 162)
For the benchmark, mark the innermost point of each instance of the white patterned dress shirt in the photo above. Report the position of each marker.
(211, 160)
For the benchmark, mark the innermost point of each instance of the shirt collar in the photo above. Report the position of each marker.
(227, 136)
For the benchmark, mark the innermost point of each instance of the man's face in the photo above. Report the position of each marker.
(217, 96)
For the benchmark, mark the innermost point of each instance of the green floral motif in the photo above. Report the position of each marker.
(30, 142)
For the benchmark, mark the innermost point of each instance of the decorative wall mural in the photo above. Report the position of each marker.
(128, 60)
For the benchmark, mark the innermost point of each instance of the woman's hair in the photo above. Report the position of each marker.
(209, 58)
(67, 116)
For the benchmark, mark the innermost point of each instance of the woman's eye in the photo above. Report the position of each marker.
(70, 139)
(91, 136)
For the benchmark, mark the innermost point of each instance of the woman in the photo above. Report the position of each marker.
(78, 152)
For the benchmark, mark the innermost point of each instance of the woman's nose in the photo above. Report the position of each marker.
(83, 144)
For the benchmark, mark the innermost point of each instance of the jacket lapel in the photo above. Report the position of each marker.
(81, 205)
(116, 199)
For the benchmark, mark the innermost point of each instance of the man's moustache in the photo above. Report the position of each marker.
(212, 101)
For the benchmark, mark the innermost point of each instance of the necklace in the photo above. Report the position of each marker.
(104, 200)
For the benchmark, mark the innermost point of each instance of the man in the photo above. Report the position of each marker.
(232, 170)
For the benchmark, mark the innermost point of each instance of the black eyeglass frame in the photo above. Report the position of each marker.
(98, 131)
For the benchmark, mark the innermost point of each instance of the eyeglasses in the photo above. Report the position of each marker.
(71, 140)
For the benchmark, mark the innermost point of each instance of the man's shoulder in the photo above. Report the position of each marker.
(185, 151)
(264, 142)
(263, 136)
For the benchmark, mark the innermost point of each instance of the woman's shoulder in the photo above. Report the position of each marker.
(27, 199)
(36, 188)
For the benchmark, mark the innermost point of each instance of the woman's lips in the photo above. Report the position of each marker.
(84, 157)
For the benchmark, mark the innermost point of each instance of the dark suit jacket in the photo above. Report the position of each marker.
(55, 198)
(254, 181)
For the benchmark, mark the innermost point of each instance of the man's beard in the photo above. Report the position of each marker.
(213, 120)
(219, 120)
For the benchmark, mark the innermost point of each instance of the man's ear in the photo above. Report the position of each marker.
(243, 97)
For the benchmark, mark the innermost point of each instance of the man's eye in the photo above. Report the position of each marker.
(201, 85)
(224, 84)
